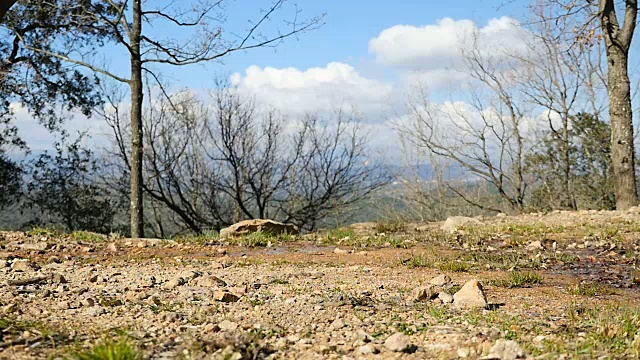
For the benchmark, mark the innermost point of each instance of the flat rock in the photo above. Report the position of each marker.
(258, 225)
(445, 297)
(21, 265)
(428, 292)
(470, 296)
(440, 280)
(453, 223)
(505, 350)
(225, 296)
(399, 342)
(226, 325)
(174, 283)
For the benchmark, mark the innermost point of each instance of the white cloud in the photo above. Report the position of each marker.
(437, 46)
(296, 92)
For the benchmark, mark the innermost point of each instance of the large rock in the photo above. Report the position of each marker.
(399, 342)
(258, 225)
(470, 296)
(456, 222)
(505, 350)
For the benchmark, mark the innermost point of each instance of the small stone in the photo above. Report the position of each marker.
(95, 311)
(58, 279)
(63, 305)
(54, 260)
(501, 215)
(470, 296)
(535, 245)
(226, 325)
(221, 251)
(440, 280)
(174, 283)
(211, 281)
(3, 263)
(464, 352)
(505, 350)
(211, 327)
(9, 309)
(21, 266)
(238, 290)
(422, 293)
(367, 349)
(112, 248)
(337, 324)
(225, 296)
(340, 251)
(445, 297)
(399, 342)
(364, 336)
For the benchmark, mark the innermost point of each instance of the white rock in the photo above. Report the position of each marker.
(470, 296)
(226, 325)
(505, 350)
(367, 349)
(440, 280)
(453, 223)
(445, 297)
(535, 245)
(399, 342)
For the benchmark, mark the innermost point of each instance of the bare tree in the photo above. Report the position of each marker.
(207, 42)
(600, 22)
(560, 78)
(485, 138)
(225, 159)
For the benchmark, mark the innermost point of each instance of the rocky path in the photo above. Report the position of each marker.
(553, 289)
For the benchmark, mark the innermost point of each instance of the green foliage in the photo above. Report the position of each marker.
(41, 231)
(10, 179)
(589, 177)
(454, 266)
(87, 236)
(63, 190)
(110, 350)
(519, 279)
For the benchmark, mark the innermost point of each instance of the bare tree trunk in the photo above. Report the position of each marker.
(618, 41)
(5, 5)
(622, 149)
(137, 219)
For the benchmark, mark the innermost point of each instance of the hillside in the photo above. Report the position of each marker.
(558, 285)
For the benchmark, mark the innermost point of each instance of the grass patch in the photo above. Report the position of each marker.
(41, 231)
(454, 266)
(589, 290)
(519, 279)
(389, 227)
(110, 350)
(87, 236)
(418, 261)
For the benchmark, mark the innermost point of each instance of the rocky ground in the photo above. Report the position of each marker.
(559, 285)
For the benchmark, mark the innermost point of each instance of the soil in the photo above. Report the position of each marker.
(559, 285)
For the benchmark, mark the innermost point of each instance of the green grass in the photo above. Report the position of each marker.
(41, 231)
(110, 350)
(389, 227)
(418, 261)
(589, 290)
(454, 266)
(519, 279)
(87, 236)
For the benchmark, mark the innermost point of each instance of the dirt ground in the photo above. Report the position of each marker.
(558, 285)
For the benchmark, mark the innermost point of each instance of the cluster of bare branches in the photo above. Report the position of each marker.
(520, 127)
(221, 159)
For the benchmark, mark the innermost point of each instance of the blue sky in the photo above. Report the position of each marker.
(367, 55)
(349, 25)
